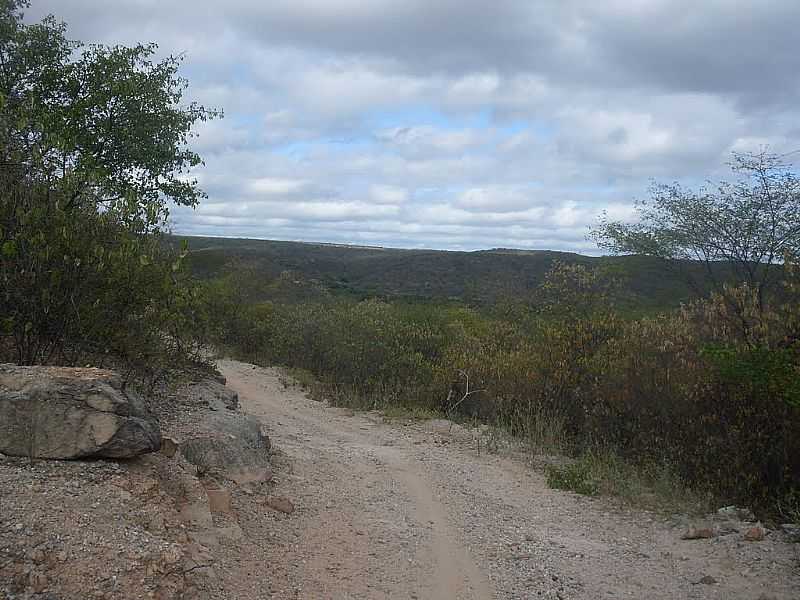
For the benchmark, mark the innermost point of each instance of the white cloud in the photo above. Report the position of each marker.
(272, 186)
(460, 124)
(495, 198)
(388, 194)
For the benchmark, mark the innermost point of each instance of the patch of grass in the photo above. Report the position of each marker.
(789, 507)
(347, 396)
(408, 413)
(305, 380)
(574, 477)
(545, 432)
(651, 486)
(298, 377)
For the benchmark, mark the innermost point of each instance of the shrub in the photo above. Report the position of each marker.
(79, 288)
(574, 477)
(671, 401)
(92, 150)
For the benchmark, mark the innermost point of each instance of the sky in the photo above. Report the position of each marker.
(460, 124)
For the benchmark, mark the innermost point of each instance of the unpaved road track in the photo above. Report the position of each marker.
(415, 511)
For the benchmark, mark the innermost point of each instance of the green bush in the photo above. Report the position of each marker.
(80, 288)
(574, 477)
(93, 148)
(677, 397)
(759, 370)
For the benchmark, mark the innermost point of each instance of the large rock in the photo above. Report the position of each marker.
(211, 394)
(234, 446)
(64, 413)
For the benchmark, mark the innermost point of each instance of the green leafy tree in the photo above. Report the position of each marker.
(93, 149)
(98, 126)
(748, 224)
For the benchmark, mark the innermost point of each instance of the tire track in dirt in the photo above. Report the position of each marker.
(338, 555)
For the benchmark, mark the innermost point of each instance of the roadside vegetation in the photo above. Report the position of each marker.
(93, 149)
(703, 400)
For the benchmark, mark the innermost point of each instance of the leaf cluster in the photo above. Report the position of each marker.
(102, 127)
(748, 223)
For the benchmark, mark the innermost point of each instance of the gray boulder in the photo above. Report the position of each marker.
(737, 513)
(67, 413)
(211, 394)
(235, 447)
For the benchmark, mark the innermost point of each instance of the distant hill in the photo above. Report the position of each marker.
(478, 277)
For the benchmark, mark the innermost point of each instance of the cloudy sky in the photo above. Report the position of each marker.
(460, 124)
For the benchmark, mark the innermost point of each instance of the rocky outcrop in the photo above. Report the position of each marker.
(209, 393)
(67, 413)
(234, 447)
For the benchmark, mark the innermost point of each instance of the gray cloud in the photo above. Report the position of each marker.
(460, 124)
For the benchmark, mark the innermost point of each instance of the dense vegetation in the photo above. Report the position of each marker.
(92, 149)
(480, 278)
(706, 395)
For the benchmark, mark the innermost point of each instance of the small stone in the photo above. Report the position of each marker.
(283, 505)
(37, 555)
(232, 533)
(249, 475)
(737, 512)
(169, 447)
(219, 500)
(702, 533)
(171, 555)
(706, 580)
(755, 534)
(197, 554)
(155, 523)
(37, 581)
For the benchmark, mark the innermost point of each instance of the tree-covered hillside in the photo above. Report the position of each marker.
(480, 277)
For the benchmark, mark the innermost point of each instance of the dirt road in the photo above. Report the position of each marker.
(415, 511)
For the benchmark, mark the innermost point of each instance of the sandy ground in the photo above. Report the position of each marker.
(417, 511)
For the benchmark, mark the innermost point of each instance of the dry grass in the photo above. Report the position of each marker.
(394, 413)
(649, 486)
